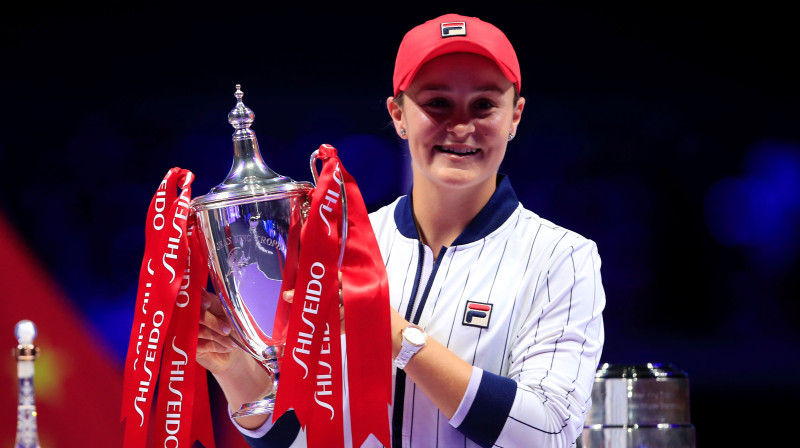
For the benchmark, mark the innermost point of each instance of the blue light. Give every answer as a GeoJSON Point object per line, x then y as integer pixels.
{"type": "Point", "coordinates": [761, 209]}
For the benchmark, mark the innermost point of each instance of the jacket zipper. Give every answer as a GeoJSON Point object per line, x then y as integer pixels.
{"type": "Point", "coordinates": [413, 315]}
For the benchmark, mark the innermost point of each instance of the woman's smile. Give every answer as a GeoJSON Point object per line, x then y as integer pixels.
{"type": "Point", "coordinates": [457, 150]}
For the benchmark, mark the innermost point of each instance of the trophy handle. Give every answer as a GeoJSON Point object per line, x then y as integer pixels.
{"type": "Point", "coordinates": [270, 356]}
{"type": "Point", "coordinates": [313, 163]}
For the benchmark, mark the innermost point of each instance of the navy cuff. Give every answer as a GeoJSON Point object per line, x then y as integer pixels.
{"type": "Point", "coordinates": [489, 411]}
{"type": "Point", "coordinates": [282, 434]}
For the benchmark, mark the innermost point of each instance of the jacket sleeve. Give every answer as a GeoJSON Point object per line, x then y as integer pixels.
{"type": "Point", "coordinates": [282, 434]}
{"type": "Point", "coordinates": [546, 394]}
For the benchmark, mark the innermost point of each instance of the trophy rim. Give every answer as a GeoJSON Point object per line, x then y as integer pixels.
{"type": "Point", "coordinates": [228, 199]}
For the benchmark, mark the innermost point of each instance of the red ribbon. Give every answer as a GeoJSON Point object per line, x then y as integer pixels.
{"type": "Point", "coordinates": [365, 288]}
{"type": "Point", "coordinates": [311, 368]}
{"type": "Point", "coordinates": [163, 340]}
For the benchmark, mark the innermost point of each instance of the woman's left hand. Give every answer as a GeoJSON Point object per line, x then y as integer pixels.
{"type": "Point", "coordinates": [289, 297]}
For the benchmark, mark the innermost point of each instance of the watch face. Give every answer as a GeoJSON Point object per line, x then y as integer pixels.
{"type": "Point", "coordinates": [415, 336]}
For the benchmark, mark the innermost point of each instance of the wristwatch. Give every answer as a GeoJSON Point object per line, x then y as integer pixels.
{"type": "Point", "coordinates": [414, 338]}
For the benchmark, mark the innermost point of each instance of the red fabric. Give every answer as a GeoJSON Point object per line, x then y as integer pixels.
{"type": "Point", "coordinates": [283, 311]}
{"type": "Point", "coordinates": [305, 376]}
{"type": "Point", "coordinates": [76, 380]}
{"type": "Point", "coordinates": [170, 281]}
{"type": "Point", "coordinates": [365, 288]}
{"type": "Point", "coordinates": [311, 373]}
{"type": "Point", "coordinates": [180, 419]}
{"type": "Point", "coordinates": [433, 38]}
{"type": "Point", "coordinates": [164, 335]}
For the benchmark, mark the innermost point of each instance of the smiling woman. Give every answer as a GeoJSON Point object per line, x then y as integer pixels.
{"type": "Point", "coordinates": [458, 114]}
{"type": "Point", "coordinates": [643, 128]}
{"type": "Point", "coordinates": [496, 313]}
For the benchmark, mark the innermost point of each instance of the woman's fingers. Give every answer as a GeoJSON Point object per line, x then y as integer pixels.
{"type": "Point", "coordinates": [341, 297]}
{"type": "Point", "coordinates": [341, 305]}
{"type": "Point", "coordinates": [210, 328]}
{"type": "Point", "coordinates": [212, 303]}
{"type": "Point", "coordinates": [221, 344]}
{"type": "Point", "coordinates": [215, 322]}
{"type": "Point", "coordinates": [289, 297]}
{"type": "Point", "coordinates": [341, 320]}
{"type": "Point", "coordinates": [205, 345]}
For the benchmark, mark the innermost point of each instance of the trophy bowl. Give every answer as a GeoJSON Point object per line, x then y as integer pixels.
{"type": "Point", "coordinates": [245, 224]}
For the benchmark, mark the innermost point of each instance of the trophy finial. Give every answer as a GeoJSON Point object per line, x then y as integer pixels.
{"type": "Point", "coordinates": [249, 174]}
{"type": "Point", "coordinates": [241, 116]}
{"type": "Point", "coordinates": [25, 332]}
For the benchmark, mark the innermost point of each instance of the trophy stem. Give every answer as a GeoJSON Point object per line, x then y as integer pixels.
{"type": "Point", "coordinates": [265, 405]}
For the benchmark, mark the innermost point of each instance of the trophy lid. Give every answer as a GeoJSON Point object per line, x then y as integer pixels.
{"type": "Point", "coordinates": [249, 176]}
{"type": "Point", "coordinates": [642, 370]}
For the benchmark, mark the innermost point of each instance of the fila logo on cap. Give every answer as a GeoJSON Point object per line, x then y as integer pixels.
{"type": "Point", "coordinates": [450, 29]}
{"type": "Point", "coordinates": [477, 314]}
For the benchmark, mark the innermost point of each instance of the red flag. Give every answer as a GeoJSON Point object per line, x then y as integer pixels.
{"type": "Point", "coordinates": [76, 382]}
{"type": "Point", "coordinates": [78, 385]}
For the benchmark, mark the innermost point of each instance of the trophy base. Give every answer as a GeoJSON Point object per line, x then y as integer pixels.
{"type": "Point", "coordinates": [259, 407]}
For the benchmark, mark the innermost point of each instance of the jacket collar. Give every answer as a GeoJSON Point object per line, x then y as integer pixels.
{"type": "Point", "coordinates": [499, 208]}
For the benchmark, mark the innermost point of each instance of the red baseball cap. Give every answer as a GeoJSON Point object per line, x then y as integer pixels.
{"type": "Point", "coordinates": [453, 33]}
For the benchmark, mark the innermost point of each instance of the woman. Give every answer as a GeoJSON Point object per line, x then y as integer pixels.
{"type": "Point", "coordinates": [504, 306]}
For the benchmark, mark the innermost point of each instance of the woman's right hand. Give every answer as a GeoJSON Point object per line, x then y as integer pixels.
{"type": "Point", "coordinates": [241, 378]}
{"type": "Point", "coordinates": [216, 349]}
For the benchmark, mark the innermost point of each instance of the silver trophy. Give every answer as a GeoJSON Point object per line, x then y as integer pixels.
{"type": "Point", "coordinates": [25, 353]}
{"type": "Point", "coordinates": [245, 222]}
{"type": "Point", "coordinates": [639, 405]}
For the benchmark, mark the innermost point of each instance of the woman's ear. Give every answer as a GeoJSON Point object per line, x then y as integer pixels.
{"type": "Point", "coordinates": [517, 115]}
{"type": "Point", "coordinates": [396, 112]}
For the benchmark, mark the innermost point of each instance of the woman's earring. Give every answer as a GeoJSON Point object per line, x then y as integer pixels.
{"type": "Point", "coordinates": [510, 136]}
{"type": "Point", "coordinates": [402, 132]}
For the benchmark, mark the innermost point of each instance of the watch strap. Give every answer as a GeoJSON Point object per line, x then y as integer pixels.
{"type": "Point", "coordinates": [403, 357]}
{"type": "Point", "coordinates": [407, 350]}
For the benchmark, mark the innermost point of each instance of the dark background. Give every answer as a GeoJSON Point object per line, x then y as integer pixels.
{"type": "Point", "coordinates": [667, 133]}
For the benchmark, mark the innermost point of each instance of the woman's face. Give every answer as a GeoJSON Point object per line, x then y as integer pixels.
{"type": "Point", "coordinates": [458, 113]}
